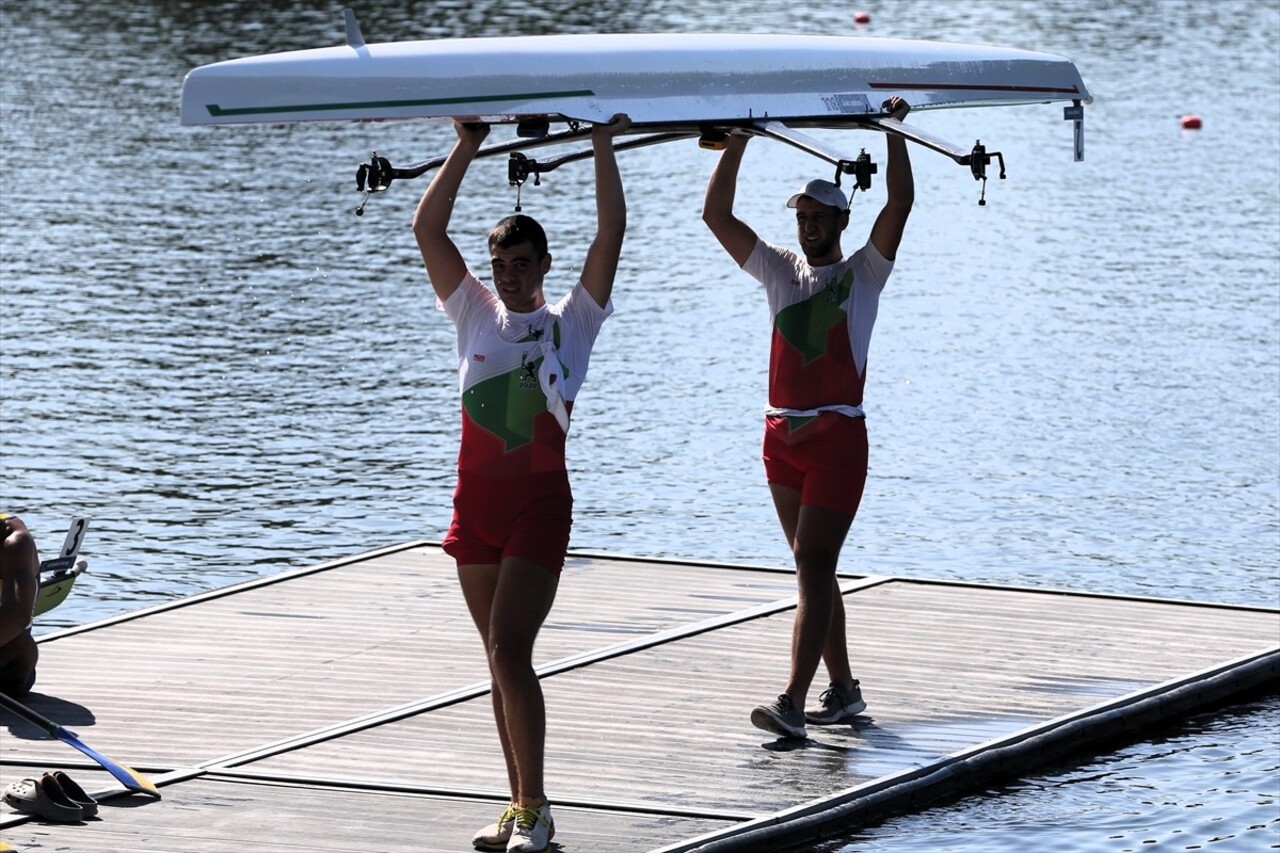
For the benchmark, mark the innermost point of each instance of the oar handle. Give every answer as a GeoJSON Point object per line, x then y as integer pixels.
{"type": "Point", "coordinates": [29, 715]}
{"type": "Point", "coordinates": [127, 776]}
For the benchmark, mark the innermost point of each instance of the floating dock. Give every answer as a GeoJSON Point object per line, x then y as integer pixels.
{"type": "Point", "coordinates": [345, 706]}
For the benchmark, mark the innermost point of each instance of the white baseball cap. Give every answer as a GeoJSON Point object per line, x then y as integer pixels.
{"type": "Point", "coordinates": [821, 191]}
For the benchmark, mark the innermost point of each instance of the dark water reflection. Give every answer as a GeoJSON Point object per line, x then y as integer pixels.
{"type": "Point", "coordinates": [1075, 386]}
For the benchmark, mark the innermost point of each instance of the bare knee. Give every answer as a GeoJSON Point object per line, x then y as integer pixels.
{"type": "Point", "coordinates": [509, 659]}
{"type": "Point", "coordinates": [815, 563]}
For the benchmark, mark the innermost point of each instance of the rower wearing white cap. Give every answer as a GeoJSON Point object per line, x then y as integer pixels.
{"type": "Point", "coordinates": [823, 307]}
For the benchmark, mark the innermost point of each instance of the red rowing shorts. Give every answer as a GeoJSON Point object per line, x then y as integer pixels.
{"type": "Point", "coordinates": [527, 517]}
{"type": "Point", "coordinates": [823, 457]}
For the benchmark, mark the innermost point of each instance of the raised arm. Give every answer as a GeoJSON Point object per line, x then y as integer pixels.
{"type": "Point", "coordinates": [445, 266]}
{"type": "Point", "coordinates": [601, 265]}
{"type": "Point", "coordinates": [886, 234]}
{"type": "Point", "coordinates": [738, 239]}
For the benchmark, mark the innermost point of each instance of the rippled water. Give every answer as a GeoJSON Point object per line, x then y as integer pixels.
{"type": "Point", "coordinates": [1210, 784]}
{"type": "Point", "coordinates": [1077, 385]}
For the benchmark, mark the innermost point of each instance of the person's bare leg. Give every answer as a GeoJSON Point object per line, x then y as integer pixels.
{"type": "Point", "coordinates": [786, 501]}
{"type": "Point", "coordinates": [479, 583]}
{"type": "Point", "coordinates": [521, 602]}
{"type": "Point", "coordinates": [835, 654]}
{"type": "Point", "coordinates": [816, 535]}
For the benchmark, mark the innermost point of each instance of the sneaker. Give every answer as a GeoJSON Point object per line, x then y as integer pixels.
{"type": "Point", "coordinates": [533, 829]}
{"type": "Point", "coordinates": [837, 705]}
{"type": "Point", "coordinates": [780, 717]}
{"type": "Point", "coordinates": [495, 835]}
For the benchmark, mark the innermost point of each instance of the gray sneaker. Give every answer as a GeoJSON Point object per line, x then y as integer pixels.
{"type": "Point", "coordinates": [838, 705]}
{"type": "Point", "coordinates": [780, 717]}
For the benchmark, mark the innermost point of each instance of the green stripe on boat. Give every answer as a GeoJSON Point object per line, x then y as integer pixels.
{"type": "Point", "coordinates": [215, 110]}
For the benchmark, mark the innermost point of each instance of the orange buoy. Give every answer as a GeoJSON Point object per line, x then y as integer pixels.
{"type": "Point", "coordinates": [862, 17]}
{"type": "Point", "coordinates": [1191, 122]}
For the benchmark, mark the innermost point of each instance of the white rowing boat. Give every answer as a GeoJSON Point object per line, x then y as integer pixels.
{"type": "Point", "coordinates": [656, 79]}
{"type": "Point", "coordinates": [671, 85]}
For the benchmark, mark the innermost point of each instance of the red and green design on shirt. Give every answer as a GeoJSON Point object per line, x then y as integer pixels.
{"type": "Point", "coordinates": [822, 322]}
{"type": "Point", "coordinates": [489, 454]}
{"type": "Point", "coordinates": [811, 361]}
{"type": "Point", "coordinates": [806, 326]}
{"type": "Point", "coordinates": [507, 404]}
{"type": "Point", "coordinates": [507, 429]}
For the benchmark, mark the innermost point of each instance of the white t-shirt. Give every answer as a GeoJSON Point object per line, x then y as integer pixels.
{"type": "Point", "coordinates": [514, 366]}
{"type": "Point", "coordinates": [822, 321]}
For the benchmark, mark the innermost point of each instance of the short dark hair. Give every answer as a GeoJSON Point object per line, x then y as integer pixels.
{"type": "Point", "coordinates": [518, 229]}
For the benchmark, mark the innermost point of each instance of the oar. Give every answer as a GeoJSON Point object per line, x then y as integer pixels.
{"type": "Point", "coordinates": [130, 778]}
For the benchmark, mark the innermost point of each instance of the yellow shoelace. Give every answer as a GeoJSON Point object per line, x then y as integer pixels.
{"type": "Point", "coordinates": [527, 816]}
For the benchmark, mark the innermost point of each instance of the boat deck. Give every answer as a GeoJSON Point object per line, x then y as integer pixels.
{"type": "Point", "coordinates": [345, 706]}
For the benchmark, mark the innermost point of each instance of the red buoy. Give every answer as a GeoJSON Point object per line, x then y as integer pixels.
{"type": "Point", "coordinates": [862, 17]}
{"type": "Point", "coordinates": [1191, 122]}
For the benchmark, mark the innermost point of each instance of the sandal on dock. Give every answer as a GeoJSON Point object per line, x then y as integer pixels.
{"type": "Point", "coordinates": [35, 797]}
{"type": "Point", "coordinates": [88, 805]}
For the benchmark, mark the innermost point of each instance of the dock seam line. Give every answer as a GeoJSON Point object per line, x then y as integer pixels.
{"type": "Point", "coordinates": [577, 661]}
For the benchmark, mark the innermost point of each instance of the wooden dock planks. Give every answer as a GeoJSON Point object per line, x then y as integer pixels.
{"type": "Point", "coordinates": [363, 680]}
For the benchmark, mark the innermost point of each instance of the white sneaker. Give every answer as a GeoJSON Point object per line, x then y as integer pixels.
{"type": "Point", "coordinates": [533, 829]}
{"type": "Point", "coordinates": [496, 835]}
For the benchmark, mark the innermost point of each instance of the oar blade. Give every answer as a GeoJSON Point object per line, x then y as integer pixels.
{"type": "Point", "coordinates": [127, 776]}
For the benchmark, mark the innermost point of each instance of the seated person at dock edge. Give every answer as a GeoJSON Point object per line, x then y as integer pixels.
{"type": "Point", "coordinates": [19, 585]}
